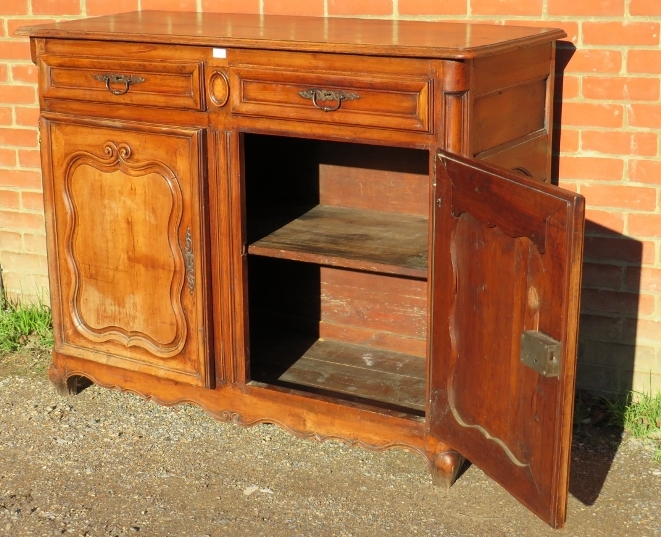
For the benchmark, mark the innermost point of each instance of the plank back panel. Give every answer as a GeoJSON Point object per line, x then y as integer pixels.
{"type": "Point", "coordinates": [352, 306]}
{"type": "Point", "coordinates": [373, 177]}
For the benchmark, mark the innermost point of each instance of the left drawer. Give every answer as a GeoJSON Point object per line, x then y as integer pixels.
{"type": "Point", "coordinates": [163, 84]}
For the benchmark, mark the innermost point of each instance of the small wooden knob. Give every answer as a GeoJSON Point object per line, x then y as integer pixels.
{"type": "Point", "coordinates": [219, 88]}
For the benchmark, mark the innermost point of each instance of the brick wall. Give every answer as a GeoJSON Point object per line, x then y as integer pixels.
{"type": "Point", "coordinates": [608, 150]}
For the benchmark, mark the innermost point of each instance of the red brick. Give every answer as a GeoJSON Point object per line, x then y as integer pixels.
{"type": "Point", "coordinates": [635, 330]}
{"type": "Point", "coordinates": [364, 7]}
{"type": "Point", "coordinates": [15, 24]}
{"type": "Point", "coordinates": [25, 286]}
{"type": "Point", "coordinates": [9, 199]}
{"type": "Point", "coordinates": [602, 275]}
{"type": "Point", "coordinates": [14, 94]}
{"type": "Point", "coordinates": [2, 28]}
{"type": "Point", "coordinates": [15, 50]}
{"type": "Point", "coordinates": [594, 8]}
{"type": "Point", "coordinates": [620, 143]}
{"type": "Point", "coordinates": [56, 7]}
{"type": "Point", "coordinates": [567, 185]}
{"type": "Point", "coordinates": [645, 225]}
{"type": "Point", "coordinates": [10, 241]}
{"type": "Point", "coordinates": [14, 7]}
{"type": "Point", "coordinates": [294, 7]}
{"type": "Point", "coordinates": [230, 6]}
{"type": "Point", "coordinates": [433, 7]}
{"type": "Point", "coordinates": [25, 73]}
{"type": "Point", "coordinates": [16, 220]}
{"type": "Point", "coordinates": [600, 327]}
{"type": "Point", "coordinates": [103, 7]}
{"type": "Point", "coordinates": [7, 157]}
{"type": "Point", "coordinates": [6, 116]}
{"type": "Point", "coordinates": [567, 142]}
{"type": "Point", "coordinates": [647, 279]}
{"type": "Point", "coordinates": [620, 33]}
{"type": "Point", "coordinates": [27, 117]}
{"type": "Point", "coordinates": [644, 115]}
{"type": "Point", "coordinates": [29, 263]}
{"type": "Point", "coordinates": [644, 61]}
{"type": "Point", "coordinates": [621, 88]}
{"type": "Point", "coordinates": [645, 7]}
{"type": "Point", "coordinates": [592, 115]}
{"type": "Point", "coordinates": [588, 61]}
{"type": "Point", "coordinates": [566, 87]}
{"type": "Point", "coordinates": [35, 243]}
{"type": "Point", "coordinates": [619, 249]}
{"type": "Point", "coordinates": [29, 158]}
{"type": "Point", "coordinates": [603, 221]}
{"type": "Point", "coordinates": [32, 201]}
{"type": "Point", "coordinates": [18, 137]}
{"type": "Point", "coordinates": [597, 169]}
{"type": "Point", "coordinates": [625, 197]}
{"type": "Point", "coordinates": [571, 28]}
{"type": "Point", "coordinates": [645, 171]}
{"type": "Point", "coordinates": [170, 5]}
{"type": "Point", "coordinates": [506, 7]}
{"type": "Point", "coordinates": [4, 73]}
{"type": "Point", "coordinates": [599, 300]}
{"type": "Point", "coordinates": [20, 178]}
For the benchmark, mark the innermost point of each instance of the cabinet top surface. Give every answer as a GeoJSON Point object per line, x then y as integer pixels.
{"type": "Point", "coordinates": [453, 40]}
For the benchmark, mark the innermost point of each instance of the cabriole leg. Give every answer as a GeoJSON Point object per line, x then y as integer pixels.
{"type": "Point", "coordinates": [445, 467]}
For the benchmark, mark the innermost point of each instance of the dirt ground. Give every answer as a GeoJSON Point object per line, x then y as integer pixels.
{"type": "Point", "coordinates": [104, 463]}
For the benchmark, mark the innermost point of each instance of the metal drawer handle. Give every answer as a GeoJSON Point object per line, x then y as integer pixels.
{"type": "Point", "coordinates": [119, 79]}
{"type": "Point", "coordinates": [327, 95]}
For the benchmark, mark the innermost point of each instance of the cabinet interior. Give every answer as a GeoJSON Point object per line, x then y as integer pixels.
{"type": "Point", "coordinates": [337, 268]}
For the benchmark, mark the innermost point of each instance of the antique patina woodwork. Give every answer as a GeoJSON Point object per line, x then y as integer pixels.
{"type": "Point", "coordinates": [344, 227]}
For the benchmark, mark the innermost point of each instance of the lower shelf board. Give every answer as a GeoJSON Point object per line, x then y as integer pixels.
{"type": "Point", "coordinates": [343, 370]}
{"type": "Point", "coordinates": [378, 241]}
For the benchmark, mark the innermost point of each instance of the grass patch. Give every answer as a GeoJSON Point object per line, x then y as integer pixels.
{"type": "Point", "coordinates": [25, 326]}
{"type": "Point", "coordinates": [640, 415]}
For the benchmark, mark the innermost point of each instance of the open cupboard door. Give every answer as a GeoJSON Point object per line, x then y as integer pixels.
{"type": "Point", "coordinates": [507, 255]}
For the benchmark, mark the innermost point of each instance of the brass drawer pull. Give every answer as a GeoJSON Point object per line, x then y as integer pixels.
{"type": "Point", "coordinates": [119, 79]}
{"type": "Point", "coordinates": [327, 95]}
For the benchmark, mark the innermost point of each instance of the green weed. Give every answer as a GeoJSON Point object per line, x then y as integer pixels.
{"type": "Point", "coordinates": [24, 325]}
{"type": "Point", "coordinates": [640, 416]}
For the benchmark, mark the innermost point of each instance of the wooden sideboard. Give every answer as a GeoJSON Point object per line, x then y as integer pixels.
{"type": "Point", "coordinates": [341, 226]}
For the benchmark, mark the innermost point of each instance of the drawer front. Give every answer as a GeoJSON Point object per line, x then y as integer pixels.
{"type": "Point", "coordinates": [383, 101]}
{"type": "Point", "coordinates": [145, 83]}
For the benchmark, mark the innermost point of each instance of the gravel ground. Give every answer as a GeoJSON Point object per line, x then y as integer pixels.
{"type": "Point", "coordinates": [104, 463]}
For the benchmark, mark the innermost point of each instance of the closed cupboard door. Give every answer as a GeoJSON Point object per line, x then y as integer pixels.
{"type": "Point", "coordinates": [506, 269]}
{"type": "Point", "coordinates": [125, 232]}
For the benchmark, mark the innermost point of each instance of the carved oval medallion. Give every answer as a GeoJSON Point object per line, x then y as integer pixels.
{"type": "Point", "coordinates": [219, 88]}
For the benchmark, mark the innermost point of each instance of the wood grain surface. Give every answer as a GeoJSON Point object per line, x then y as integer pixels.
{"type": "Point", "coordinates": [311, 34]}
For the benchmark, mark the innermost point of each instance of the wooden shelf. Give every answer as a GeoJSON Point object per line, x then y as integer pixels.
{"type": "Point", "coordinates": [344, 370]}
{"type": "Point", "coordinates": [377, 241]}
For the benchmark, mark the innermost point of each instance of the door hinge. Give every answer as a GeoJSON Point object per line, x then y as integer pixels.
{"type": "Point", "coordinates": [541, 353]}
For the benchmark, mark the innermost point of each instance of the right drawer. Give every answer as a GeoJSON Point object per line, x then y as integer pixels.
{"type": "Point", "coordinates": [163, 84]}
{"type": "Point", "coordinates": [334, 90]}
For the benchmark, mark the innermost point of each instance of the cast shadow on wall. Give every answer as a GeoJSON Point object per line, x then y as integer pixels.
{"type": "Point", "coordinates": [607, 330]}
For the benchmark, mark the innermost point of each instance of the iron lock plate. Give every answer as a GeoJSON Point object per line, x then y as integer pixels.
{"type": "Point", "coordinates": [541, 353]}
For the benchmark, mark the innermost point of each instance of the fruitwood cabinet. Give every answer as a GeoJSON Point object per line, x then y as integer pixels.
{"type": "Point", "coordinates": [344, 227]}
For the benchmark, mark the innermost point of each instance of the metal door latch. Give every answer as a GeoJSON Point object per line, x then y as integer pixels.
{"type": "Point", "coordinates": [541, 353]}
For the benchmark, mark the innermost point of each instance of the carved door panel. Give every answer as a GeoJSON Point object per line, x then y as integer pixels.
{"type": "Point", "coordinates": [506, 266]}
{"type": "Point", "coordinates": [128, 281]}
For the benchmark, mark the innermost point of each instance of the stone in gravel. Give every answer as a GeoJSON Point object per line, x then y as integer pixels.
{"type": "Point", "coordinates": [250, 490]}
